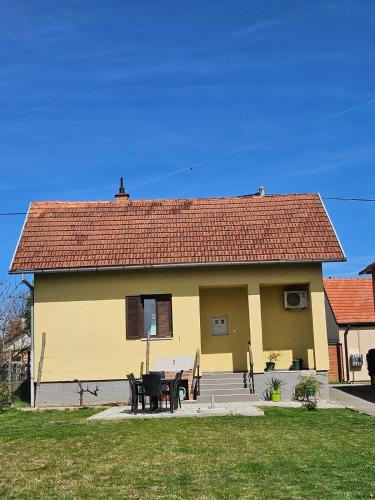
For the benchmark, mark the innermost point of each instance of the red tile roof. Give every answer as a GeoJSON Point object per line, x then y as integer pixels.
{"type": "Point", "coordinates": [370, 269]}
{"type": "Point", "coordinates": [62, 235]}
{"type": "Point", "coordinates": [351, 299]}
{"type": "Point", "coordinates": [15, 328]}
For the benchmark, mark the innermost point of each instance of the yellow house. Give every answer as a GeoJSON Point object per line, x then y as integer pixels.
{"type": "Point", "coordinates": [216, 284]}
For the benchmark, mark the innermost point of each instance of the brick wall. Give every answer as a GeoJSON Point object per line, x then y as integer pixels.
{"type": "Point", "coordinates": [335, 373]}
{"type": "Point", "coordinates": [187, 375]}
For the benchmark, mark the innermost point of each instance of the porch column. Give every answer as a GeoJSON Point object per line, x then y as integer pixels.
{"type": "Point", "coordinates": [255, 324]}
{"type": "Point", "coordinates": [318, 313]}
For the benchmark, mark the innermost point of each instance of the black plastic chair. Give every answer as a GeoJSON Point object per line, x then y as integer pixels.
{"type": "Point", "coordinates": [153, 389]}
{"type": "Point", "coordinates": [176, 387]}
{"type": "Point", "coordinates": [160, 374]}
{"type": "Point", "coordinates": [136, 393]}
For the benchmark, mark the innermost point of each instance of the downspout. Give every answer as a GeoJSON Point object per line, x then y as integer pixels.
{"type": "Point", "coordinates": [347, 329]}
{"type": "Point", "coordinates": [32, 387]}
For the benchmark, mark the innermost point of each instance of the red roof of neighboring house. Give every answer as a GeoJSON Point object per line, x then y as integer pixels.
{"type": "Point", "coordinates": [351, 299]}
{"type": "Point", "coordinates": [15, 328]}
{"type": "Point", "coordinates": [370, 269]}
{"type": "Point", "coordinates": [64, 235]}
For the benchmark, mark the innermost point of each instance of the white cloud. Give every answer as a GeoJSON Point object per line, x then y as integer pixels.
{"type": "Point", "coordinates": [257, 27]}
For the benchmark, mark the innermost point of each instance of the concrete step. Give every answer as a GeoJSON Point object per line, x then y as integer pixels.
{"type": "Point", "coordinates": [224, 385]}
{"type": "Point", "coordinates": [221, 391]}
{"type": "Point", "coordinates": [223, 379]}
{"type": "Point", "coordinates": [229, 398]}
{"type": "Point", "coordinates": [210, 375]}
{"type": "Point", "coordinates": [227, 379]}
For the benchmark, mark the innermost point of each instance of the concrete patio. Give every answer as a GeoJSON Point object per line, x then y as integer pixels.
{"type": "Point", "coordinates": [246, 409]}
{"type": "Point", "coordinates": [187, 410]}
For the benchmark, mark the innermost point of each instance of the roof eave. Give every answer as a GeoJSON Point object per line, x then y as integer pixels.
{"type": "Point", "coordinates": [171, 266]}
{"type": "Point", "coordinates": [369, 269]}
{"type": "Point", "coordinates": [19, 239]}
{"type": "Point", "coordinates": [343, 324]}
{"type": "Point", "coordinates": [333, 228]}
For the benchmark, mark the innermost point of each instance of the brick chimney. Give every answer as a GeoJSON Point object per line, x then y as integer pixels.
{"type": "Point", "coordinates": [121, 195]}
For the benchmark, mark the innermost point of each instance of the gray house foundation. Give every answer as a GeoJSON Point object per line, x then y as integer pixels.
{"type": "Point", "coordinates": [117, 391]}
{"type": "Point", "coordinates": [66, 393]}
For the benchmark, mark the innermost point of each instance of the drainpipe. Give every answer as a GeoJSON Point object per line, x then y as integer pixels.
{"type": "Point", "coordinates": [347, 329]}
{"type": "Point", "coordinates": [32, 387]}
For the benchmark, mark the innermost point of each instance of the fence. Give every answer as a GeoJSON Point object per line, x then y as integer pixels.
{"type": "Point", "coordinates": [16, 375]}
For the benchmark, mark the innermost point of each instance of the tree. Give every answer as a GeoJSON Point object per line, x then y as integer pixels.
{"type": "Point", "coordinates": [15, 305]}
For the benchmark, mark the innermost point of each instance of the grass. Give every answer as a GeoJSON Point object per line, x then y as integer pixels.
{"type": "Point", "coordinates": [289, 453]}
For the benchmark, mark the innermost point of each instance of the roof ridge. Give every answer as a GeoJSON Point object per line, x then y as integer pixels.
{"type": "Point", "coordinates": [352, 278]}
{"type": "Point", "coordinates": [150, 200]}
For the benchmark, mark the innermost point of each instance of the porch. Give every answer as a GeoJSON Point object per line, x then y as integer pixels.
{"type": "Point", "coordinates": [243, 323]}
{"type": "Point", "coordinates": [231, 317]}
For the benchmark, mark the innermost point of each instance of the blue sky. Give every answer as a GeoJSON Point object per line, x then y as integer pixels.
{"type": "Point", "coordinates": [91, 90]}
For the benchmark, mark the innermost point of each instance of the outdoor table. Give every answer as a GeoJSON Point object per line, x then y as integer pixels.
{"type": "Point", "coordinates": [163, 381]}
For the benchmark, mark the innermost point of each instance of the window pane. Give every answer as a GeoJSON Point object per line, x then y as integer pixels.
{"type": "Point", "coordinates": [149, 307]}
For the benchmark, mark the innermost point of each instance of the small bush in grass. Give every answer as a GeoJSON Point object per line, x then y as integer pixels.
{"type": "Point", "coordinates": [5, 396]}
{"type": "Point", "coordinates": [310, 405]}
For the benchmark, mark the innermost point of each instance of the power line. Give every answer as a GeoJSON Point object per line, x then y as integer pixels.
{"type": "Point", "coordinates": [12, 213]}
{"type": "Point", "coordinates": [335, 115]}
{"type": "Point", "coordinates": [189, 167]}
{"type": "Point", "coordinates": [245, 146]}
{"type": "Point", "coordinates": [174, 172]}
{"type": "Point", "coordinates": [341, 198]}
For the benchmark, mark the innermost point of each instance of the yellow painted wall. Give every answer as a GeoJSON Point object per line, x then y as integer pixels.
{"type": "Point", "coordinates": [227, 351]}
{"type": "Point", "coordinates": [83, 315]}
{"type": "Point", "coordinates": [289, 332]}
{"type": "Point", "coordinates": [360, 341]}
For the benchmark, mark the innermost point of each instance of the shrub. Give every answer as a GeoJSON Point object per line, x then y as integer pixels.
{"type": "Point", "coordinates": [310, 405]}
{"type": "Point", "coordinates": [5, 396]}
{"type": "Point", "coordinates": [307, 386]}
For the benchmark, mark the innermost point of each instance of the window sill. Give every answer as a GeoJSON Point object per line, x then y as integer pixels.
{"type": "Point", "coordinates": [153, 339]}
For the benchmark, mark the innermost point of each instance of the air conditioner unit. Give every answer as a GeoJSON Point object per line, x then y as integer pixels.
{"type": "Point", "coordinates": [296, 299]}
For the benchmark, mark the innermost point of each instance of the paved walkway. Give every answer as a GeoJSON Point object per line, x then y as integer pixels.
{"type": "Point", "coordinates": [358, 397]}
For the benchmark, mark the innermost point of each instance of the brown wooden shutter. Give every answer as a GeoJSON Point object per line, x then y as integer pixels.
{"type": "Point", "coordinates": [133, 318]}
{"type": "Point", "coordinates": [164, 316]}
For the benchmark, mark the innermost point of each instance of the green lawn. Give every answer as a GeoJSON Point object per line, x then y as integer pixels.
{"type": "Point", "coordinates": [289, 453]}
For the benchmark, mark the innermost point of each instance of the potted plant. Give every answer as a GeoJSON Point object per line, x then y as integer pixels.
{"type": "Point", "coordinates": [295, 364]}
{"type": "Point", "coordinates": [308, 386]}
{"type": "Point", "coordinates": [274, 389]}
{"type": "Point", "coordinates": [272, 358]}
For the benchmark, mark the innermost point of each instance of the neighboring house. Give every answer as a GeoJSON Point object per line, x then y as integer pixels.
{"type": "Point", "coordinates": [17, 342]}
{"type": "Point", "coordinates": [17, 336]}
{"type": "Point", "coordinates": [201, 276]}
{"type": "Point", "coordinates": [350, 326]}
{"type": "Point", "coordinates": [370, 269]}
